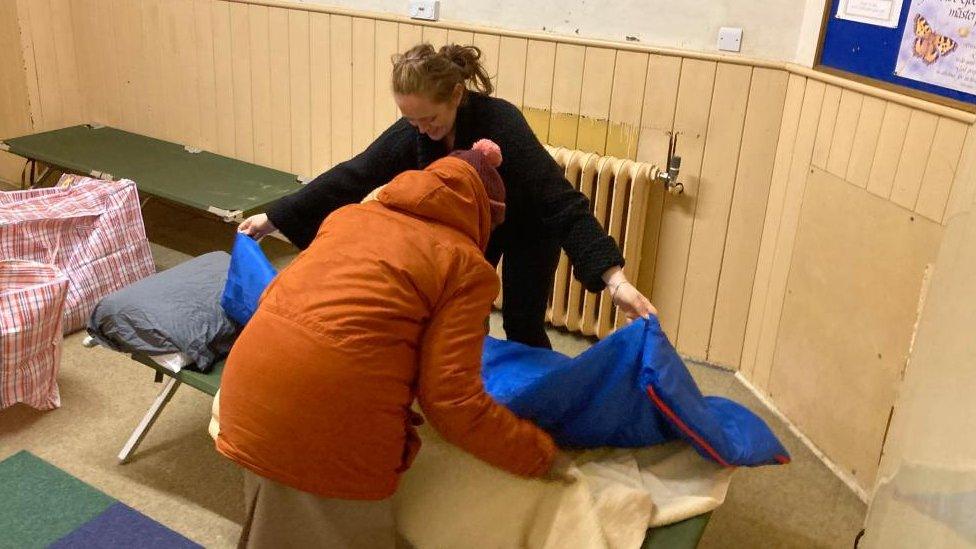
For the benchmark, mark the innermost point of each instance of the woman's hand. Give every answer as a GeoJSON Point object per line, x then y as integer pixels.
{"type": "Point", "coordinates": [257, 226]}
{"type": "Point", "coordinates": [627, 297]}
{"type": "Point", "coordinates": [631, 302]}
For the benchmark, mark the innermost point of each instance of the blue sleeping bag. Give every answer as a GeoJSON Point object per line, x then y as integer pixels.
{"type": "Point", "coordinates": [629, 390]}
{"type": "Point", "coordinates": [249, 274]}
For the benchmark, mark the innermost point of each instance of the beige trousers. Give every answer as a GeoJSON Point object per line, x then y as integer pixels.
{"type": "Point", "coordinates": [279, 516]}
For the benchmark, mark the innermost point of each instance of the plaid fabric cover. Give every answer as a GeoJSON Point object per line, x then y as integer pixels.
{"type": "Point", "coordinates": [32, 297]}
{"type": "Point", "coordinates": [90, 229]}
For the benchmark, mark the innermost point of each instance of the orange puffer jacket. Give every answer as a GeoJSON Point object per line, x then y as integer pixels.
{"type": "Point", "coordinates": [387, 304]}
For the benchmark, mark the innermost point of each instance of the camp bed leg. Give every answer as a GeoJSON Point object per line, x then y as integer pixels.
{"type": "Point", "coordinates": [147, 421]}
{"type": "Point", "coordinates": [34, 180]}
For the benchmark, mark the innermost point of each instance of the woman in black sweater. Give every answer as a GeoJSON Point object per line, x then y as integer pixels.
{"type": "Point", "coordinates": [543, 211]}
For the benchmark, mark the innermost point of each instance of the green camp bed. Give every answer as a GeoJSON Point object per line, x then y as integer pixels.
{"type": "Point", "coordinates": [684, 534]}
{"type": "Point", "coordinates": [228, 188]}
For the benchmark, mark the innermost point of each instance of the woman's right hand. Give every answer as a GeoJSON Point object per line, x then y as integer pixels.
{"type": "Point", "coordinates": [257, 226]}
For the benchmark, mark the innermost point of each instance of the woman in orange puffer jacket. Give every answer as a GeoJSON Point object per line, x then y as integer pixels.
{"type": "Point", "coordinates": [316, 395]}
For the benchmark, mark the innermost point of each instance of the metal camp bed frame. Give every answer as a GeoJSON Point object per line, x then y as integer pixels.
{"type": "Point", "coordinates": [228, 188]}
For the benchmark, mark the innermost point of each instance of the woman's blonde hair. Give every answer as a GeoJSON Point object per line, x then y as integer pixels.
{"type": "Point", "coordinates": [435, 74]}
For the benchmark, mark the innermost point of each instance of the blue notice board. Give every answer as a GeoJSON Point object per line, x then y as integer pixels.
{"type": "Point", "coordinates": [871, 51]}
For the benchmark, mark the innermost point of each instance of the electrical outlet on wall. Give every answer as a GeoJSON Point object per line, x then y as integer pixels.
{"type": "Point", "coordinates": [429, 10]}
{"type": "Point", "coordinates": [730, 39]}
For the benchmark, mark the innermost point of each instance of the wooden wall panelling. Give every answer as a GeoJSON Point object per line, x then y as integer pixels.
{"type": "Point", "coordinates": [789, 128]}
{"type": "Point", "coordinates": [848, 318]}
{"type": "Point", "coordinates": [786, 235]}
{"type": "Point", "coordinates": [865, 141]}
{"type": "Point", "coordinates": [598, 67]}
{"type": "Point", "coordinates": [146, 61]}
{"type": "Point", "coordinates": [964, 184]}
{"type": "Point", "coordinates": [240, 35]}
{"type": "Point", "coordinates": [459, 37]}
{"type": "Point", "coordinates": [21, 28]}
{"type": "Point", "coordinates": [385, 111]}
{"type": "Point", "coordinates": [144, 58]}
{"type": "Point", "coordinates": [224, 81]}
{"type": "Point", "coordinates": [626, 101]}
{"type": "Point", "coordinates": [61, 35]}
{"type": "Point", "coordinates": [84, 15]}
{"type": "Point", "coordinates": [187, 90]}
{"type": "Point", "coordinates": [320, 60]}
{"type": "Point", "coordinates": [894, 129]}
{"type": "Point", "coordinates": [185, 66]}
{"type": "Point", "coordinates": [300, 101]}
{"type": "Point", "coordinates": [913, 159]}
{"type": "Point", "coordinates": [825, 128]}
{"type": "Point", "coordinates": [168, 77]}
{"type": "Point", "coordinates": [848, 115]}
{"type": "Point", "coordinates": [657, 120]}
{"type": "Point", "coordinates": [15, 105]}
{"type": "Point", "coordinates": [940, 169]}
{"type": "Point", "coordinates": [261, 83]}
{"type": "Point", "coordinates": [511, 69]}
{"type": "Point", "coordinates": [691, 122]}
{"type": "Point", "coordinates": [204, 31]}
{"type": "Point", "coordinates": [435, 36]}
{"type": "Point", "coordinates": [713, 205]}
{"type": "Point", "coordinates": [280, 70]}
{"type": "Point", "coordinates": [409, 36]}
{"type": "Point", "coordinates": [488, 44]}
{"type": "Point", "coordinates": [537, 98]}
{"type": "Point", "coordinates": [567, 85]}
{"type": "Point", "coordinates": [342, 90]}
{"type": "Point", "coordinates": [49, 113]}
{"type": "Point", "coordinates": [363, 83]}
{"type": "Point", "coordinates": [764, 118]}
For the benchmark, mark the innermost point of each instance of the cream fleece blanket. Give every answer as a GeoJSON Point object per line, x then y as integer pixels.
{"type": "Point", "coordinates": [448, 498]}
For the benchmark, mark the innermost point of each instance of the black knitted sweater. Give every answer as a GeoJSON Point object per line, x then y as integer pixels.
{"type": "Point", "coordinates": [539, 202]}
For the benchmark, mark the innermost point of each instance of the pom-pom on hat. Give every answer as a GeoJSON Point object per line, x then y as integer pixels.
{"type": "Point", "coordinates": [485, 155]}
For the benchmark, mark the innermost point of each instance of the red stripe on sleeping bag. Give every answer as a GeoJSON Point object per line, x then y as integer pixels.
{"type": "Point", "coordinates": [687, 430]}
{"type": "Point", "coordinates": [783, 460]}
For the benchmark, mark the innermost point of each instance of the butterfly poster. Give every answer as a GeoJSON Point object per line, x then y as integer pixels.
{"type": "Point", "coordinates": [939, 44]}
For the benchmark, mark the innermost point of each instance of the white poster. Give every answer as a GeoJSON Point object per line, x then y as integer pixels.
{"type": "Point", "coordinates": [937, 46]}
{"type": "Point", "coordinates": [883, 13]}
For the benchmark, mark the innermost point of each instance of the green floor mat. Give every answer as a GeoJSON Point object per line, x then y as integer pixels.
{"type": "Point", "coordinates": [30, 488]}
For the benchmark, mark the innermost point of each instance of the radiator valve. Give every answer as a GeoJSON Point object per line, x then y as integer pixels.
{"type": "Point", "coordinates": [670, 177]}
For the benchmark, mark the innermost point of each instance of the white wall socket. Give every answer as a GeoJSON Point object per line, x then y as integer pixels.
{"type": "Point", "coordinates": [429, 10]}
{"type": "Point", "coordinates": [730, 39]}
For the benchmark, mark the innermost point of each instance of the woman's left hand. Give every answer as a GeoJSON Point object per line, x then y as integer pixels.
{"type": "Point", "coordinates": [631, 302]}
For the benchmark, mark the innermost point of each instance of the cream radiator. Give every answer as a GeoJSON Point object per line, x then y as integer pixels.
{"type": "Point", "coordinates": [618, 191]}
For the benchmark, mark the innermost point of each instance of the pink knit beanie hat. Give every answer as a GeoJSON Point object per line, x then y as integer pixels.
{"type": "Point", "coordinates": [485, 155]}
